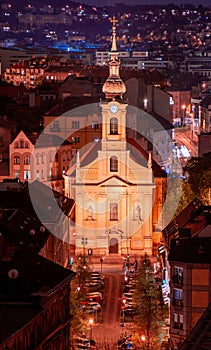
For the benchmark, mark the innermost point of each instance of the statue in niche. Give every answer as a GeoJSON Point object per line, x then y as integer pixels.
{"type": "Point", "coordinates": [90, 213]}
{"type": "Point", "coordinates": [137, 212]}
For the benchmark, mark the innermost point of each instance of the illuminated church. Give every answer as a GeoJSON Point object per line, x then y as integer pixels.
{"type": "Point", "coordinates": [113, 188]}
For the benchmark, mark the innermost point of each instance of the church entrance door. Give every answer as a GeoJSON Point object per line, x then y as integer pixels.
{"type": "Point", "coordinates": [113, 246]}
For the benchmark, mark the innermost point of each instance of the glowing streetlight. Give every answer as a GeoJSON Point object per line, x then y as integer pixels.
{"type": "Point", "coordinates": [91, 324]}
{"type": "Point", "coordinates": [143, 338]}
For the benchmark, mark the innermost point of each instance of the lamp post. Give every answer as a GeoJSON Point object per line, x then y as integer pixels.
{"type": "Point", "coordinates": [183, 113]}
{"type": "Point", "coordinates": [101, 265]}
{"type": "Point", "coordinates": [84, 242]}
{"type": "Point", "coordinates": [90, 324]}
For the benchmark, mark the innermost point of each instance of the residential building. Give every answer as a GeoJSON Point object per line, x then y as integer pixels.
{"type": "Point", "coordinates": [44, 158]}
{"type": "Point", "coordinates": [35, 308]}
{"type": "Point", "coordinates": [187, 240]}
{"type": "Point", "coordinates": [181, 105]}
{"type": "Point", "coordinates": [199, 336]}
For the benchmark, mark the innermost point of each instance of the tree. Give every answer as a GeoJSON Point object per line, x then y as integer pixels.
{"type": "Point", "coordinates": [77, 295]}
{"type": "Point", "coordinates": [151, 310]}
{"type": "Point", "coordinates": [198, 174]}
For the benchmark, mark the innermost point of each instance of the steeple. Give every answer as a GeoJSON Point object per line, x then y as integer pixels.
{"type": "Point", "coordinates": [114, 85]}
{"type": "Point", "coordinates": [113, 21]}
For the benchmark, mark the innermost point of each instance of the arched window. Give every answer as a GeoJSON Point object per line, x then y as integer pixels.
{"type": "Point", "coordinates": [113, 211]}
{"type": "Point", "coordinates": [26, 145]}
{"type": "Point", "coordinates": [16, 160]}
{"type": "Point", "coordinates": [114, 126]}
{"type": "Point", "coordinates": [26, 160]}
{"type": "Point", "coordinates": [113, 163]}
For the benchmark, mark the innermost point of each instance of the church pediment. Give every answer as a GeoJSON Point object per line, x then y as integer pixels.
{"type": "Point", "coordinates": [115, 181]}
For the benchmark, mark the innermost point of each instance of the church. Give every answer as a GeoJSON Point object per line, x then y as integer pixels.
{"type": "Point", "coordinates": [112, 184]}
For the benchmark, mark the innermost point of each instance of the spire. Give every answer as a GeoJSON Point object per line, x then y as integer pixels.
{"type": "Point", "coordinates": [114, 85]}
{"type": "Point", "coordinates": [113, 21]}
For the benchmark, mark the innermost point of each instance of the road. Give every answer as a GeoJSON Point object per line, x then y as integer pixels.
{"type": "Point", "coordinates": [184, 137]}
{"type": "Point", "coordinates": [107, 333]}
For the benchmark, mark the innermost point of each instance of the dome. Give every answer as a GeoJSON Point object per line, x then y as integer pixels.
{"type": "Point", "coordinates": [114, 87]}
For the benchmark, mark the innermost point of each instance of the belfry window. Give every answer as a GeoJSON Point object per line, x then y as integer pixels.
{"type": "Point", "coordinates": [113, 164]}
{"type": "Point", "coordinates": [114, 126]}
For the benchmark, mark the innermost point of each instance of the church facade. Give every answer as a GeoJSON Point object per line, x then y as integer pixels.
{"type": "Point", "coordinates": [113, 190]}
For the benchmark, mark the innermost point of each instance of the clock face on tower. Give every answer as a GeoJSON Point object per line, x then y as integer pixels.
{"type": "Point", "coordinates": [114, 109]}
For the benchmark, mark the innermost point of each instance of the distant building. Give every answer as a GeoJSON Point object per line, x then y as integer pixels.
{"type": "Point", "coordinates": [181, 105]}
{"type": "Point", "coordinates": [204, 143]}
{"type": "Point", "coordinates": [33, 158]}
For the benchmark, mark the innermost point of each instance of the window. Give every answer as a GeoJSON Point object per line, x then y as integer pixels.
{"type": "Point", "coordinates": [26, 160]}
{"type": "Point", "coordinates": [26, 145]}
{"type": "Point", "coordinates": [76, 139]}
{"type": "Point", "coordinates": [16, 145]}
{"type": "Point", "coordinates": [16, 160]}
{"type": "Point", "coordinates": [113, 211]}
{"type": "Point", "coordinates": [178, 275]}
{"type": "Point", "coordinates": [16, 174]}
{"type": "Point", "coordinates": [55, 126]}
{"type": "Point", "coordinates": [27, 175]}
{"type": "Point", "coordinates": [42, 173]}
{"type": "Point", "coordinates": [113, 126]}
{"type": "Point", "coordinates": [178, 321]}
{"type": "Point", "coordinates": [75, 124]}
{"type": "Point", "coordinates": [89, 213]}
{"type": "Point", "coordinates": [37, 159]}
{"type": "Point", "coordinates": [21, 144]}
{"type": "Point", "coordinates": [63, 156]}
{"type": "Point", "coordinates": [42, 159]}
{"type": "Point", "coordinates": [178, 297]}
{"type": "Point", "coordinates": [56, 157]}
{"type": "Point", "coordinates": [68, 155]}
{"type": "Point", "coordinates": [37, 175]}
{"type": "Point", "coordinates": [95, 125]}
{"type": "Point", "coordinates": [113, 164]}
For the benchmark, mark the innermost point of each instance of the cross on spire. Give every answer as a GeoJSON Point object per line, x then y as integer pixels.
{"type": "Point", "coordinates": [113, 20]}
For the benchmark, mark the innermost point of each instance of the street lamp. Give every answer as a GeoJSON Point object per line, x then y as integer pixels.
{"type": "Point", "coordinates": [90, 324]}
{"type": "Point", "coordinates": [101, 265]}
{"type": "Point", "coordinates": [183, 113]}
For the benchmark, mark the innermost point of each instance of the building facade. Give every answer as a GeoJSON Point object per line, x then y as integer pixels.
{"type": "Point", "coordinates": [113, 190]}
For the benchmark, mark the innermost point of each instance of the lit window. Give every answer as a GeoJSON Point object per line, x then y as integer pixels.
{"type": "Point", "coordinates": [113, 211]}
{"type": "Point", "coordinates": [95, 125]}
{"type": "Point", "coordinates": [27, 175]}
{"type": "Point", "coordinates": [113, 164]}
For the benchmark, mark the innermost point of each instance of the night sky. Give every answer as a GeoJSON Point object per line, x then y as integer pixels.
{"type": "Point", "coordinates": [144, 2]}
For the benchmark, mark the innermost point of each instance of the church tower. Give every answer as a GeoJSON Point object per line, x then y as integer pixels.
{"type": "Point", "coordinates": [113, 184]}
